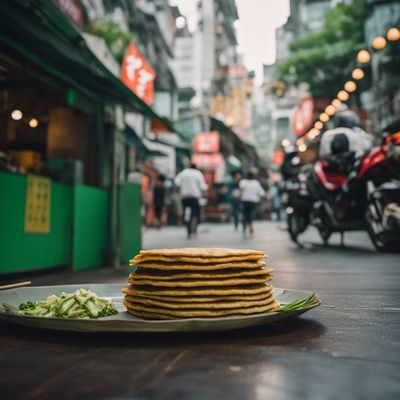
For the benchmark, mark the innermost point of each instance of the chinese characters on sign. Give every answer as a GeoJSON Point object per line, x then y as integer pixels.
{"type": "Point", "coordinates": [137, 74]}
{"type": "Point", "coordinates": [37, 208]}
{"type": "Point", "coordinates": [303, 116]}
{"type": "Point", "coordinates": [206, 142]}
{"type": "Point", "coordinates": [206, 146]}
{"type": "Point", "coordinates": [208, 161]}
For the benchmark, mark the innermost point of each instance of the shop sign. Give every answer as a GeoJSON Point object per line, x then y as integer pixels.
{"type": "Point", "coordinates": [237, 71]}
{"type": "Point", "coordinates": [208, 161]}
{"type": "Point", "coordinates": [206, 142]}
{"type": "Point", "coordinates": [138, 75]}
{"type": "Point", "coordinates": [303, 116]}
{"type": "Point", "coordinates": [73, 9]}
{"type": "Point", "coordinates": [37, 206]}
{"type": "Point", "coordinates": [277, 157]}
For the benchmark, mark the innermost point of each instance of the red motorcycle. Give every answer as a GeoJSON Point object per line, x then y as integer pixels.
{"type": "Point", "coordinates": [342, 194]}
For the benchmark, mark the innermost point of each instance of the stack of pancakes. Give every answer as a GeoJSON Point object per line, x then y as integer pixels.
{"type": "Point", "coordinates": [199, 282]}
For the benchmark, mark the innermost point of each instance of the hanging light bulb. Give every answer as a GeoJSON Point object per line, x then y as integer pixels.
{"type": "Point", "coordinates": [324, 117]}
{"type": "Point", "coordinates": [379, 43]}
{"type": "Point", "coordinates": [363, 56]}
{"type": "Point", "coordinates": [16, 114]}
{"type": "Point", "coordinates": [318, 125]}
{"type": "Point", "coordinates": [313, 133]}
{"type": "Point", "coordinates": [336, 103]}
{"type": "Point", "coordinates": [330, 110]}
{"type": "Point", "coordinates": [33, 122]}
{"type": "Point", "coordinates": [302, 148]}
{"type": "Point", "coordinates": [350, 86]}
{"type": "Point", "coordinates": [393, 34]}
{"type": "Point", "coordinates": [343, 95]}
{"type": "Point", "coordinates": [357, 74]}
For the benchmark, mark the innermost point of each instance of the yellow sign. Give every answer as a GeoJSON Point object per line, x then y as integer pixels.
{"type": "Point", "coordinates": [37, 208]}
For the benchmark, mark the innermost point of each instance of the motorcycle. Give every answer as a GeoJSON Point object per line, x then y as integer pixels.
{"type": "Point", "coordinates": [346, 194]}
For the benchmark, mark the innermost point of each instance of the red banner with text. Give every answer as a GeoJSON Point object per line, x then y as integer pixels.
{"type": "Point", "coordinates": [138, 75]}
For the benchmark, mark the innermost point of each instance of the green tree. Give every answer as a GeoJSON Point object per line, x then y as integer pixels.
{"type": "Point", "coordinates": [325, 59]}
{"type": "Point", "coordinates": [116, 38]}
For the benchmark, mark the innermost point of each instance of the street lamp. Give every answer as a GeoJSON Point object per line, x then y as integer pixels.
{"type": "Point", "coordinates": [324, 117]}
{"type": "Point", "coordinates": [393, 34]}
{"type": "Point", "coordinates": [350, 86]}
{"type": "Point", "coordinates": [379, 43]}
{"type": "Point", "coordinates": [318, 125]}
{"type": "Point", "coordinates": [357, 74]}
{"type": "Point", "coordinates": [336, 103]}
{"type": "Point", "coordinates": [343, 95]}
{"type": "Point", "coordinates": [363, 56]}
{"type": "Point", "coordinates": [330, 110]}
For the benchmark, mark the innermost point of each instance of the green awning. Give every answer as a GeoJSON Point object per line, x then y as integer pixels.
{"type": "Point", "coordinates": [39, 31]}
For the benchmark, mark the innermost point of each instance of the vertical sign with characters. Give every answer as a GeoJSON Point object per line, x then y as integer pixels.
{"type": "Point", "coordinates": [37, 208]}
{"type": "Point", "coordinates": [138, 75]}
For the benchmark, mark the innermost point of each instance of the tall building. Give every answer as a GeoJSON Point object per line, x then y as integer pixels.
{"type": "Point", "coordinates": [183, 64]}
{"type": "Point", "coordinates": [215, 49]}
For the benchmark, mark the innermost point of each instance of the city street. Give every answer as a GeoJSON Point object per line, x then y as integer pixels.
{"type": "Point", "coordinates": [348, 348]}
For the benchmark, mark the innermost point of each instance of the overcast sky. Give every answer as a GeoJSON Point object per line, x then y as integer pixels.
{"type": "Point", "coordinates": [258, 20]}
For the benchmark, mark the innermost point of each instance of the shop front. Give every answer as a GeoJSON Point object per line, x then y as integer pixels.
{"type": "Point", "coordinates": [65, 197]}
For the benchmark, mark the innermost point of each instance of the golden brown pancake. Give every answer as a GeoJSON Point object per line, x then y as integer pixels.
{"type": "Point", "coordinates": [182, 266]}
{"type": "Point", "coordinates": [222, 304]}
{"type": "Point", "coordinates": [206, 299]}
{"type": "Point", "coordinates": [200, 283]}
{"type": "Point", "coordinates": [141, 311]}
{"type": "Point", "coordinates": [206, 252]}
{"type": "Point", "coordinates": [198, 291]}
{"type": "Point", "coordinates": [138, 260]}
{"type": "Point", "coordinates": [145, 273]}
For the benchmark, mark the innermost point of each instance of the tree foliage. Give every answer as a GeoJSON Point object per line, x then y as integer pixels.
{"type": "Point", "coordinates": [116, 38]}
{"type": "Point", "coordinates": [325, 59]}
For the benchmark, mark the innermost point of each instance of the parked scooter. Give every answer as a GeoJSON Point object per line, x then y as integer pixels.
{"type": "Point", "coordinates": [348, 192]}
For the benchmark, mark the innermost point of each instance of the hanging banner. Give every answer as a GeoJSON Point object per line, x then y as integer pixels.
{"type": "Point", "coordinates": [303, 116]}
{"type": "Point", "coordinates": [206, 142]}
{"type": "Point", "coordinates": [208, 161]}
{"type": "Point", "coordinates": [138, 75]}
{"type": "Point", "coordinates": [37, 206]}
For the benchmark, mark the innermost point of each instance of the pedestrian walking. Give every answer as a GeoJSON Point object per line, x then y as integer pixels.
{"type": "Point", "coordinates": [251, 193]}
{"type": "Point", "coordinates": [234, 195]}
{"type": "Point", "coordinates": [159, 194]}
{"type": "Point", "coordinates": [191, 185]}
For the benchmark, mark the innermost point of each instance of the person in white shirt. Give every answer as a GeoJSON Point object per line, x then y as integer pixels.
{"type": "Point", "coordinates": [191, 185]}
{"type": "Point", "coordinates": [251, 193]}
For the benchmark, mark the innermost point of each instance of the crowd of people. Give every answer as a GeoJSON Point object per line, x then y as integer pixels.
{"type": "Point", "coordinates": [180, 201]}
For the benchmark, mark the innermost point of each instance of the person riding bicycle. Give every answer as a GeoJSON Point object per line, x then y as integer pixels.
{"type": "Point", "coordinates": [191, 185]}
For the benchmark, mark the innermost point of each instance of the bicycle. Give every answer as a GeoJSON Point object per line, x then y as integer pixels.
{"type": "Point", "coordinates": [191, 220]}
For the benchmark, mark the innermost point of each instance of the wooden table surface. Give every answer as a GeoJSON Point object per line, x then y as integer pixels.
{"type": "Point", "coordinates": [349, 348]}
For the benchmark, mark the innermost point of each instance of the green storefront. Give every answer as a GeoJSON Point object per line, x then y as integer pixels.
{"type": "Point", "coordinates": [93, 221]}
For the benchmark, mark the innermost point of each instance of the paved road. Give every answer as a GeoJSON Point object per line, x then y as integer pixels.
{"type": "Point", "coordinates": [349, 348]}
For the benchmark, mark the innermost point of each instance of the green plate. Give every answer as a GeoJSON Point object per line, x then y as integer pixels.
{"type": "Point", "coordinates": [124, 322]}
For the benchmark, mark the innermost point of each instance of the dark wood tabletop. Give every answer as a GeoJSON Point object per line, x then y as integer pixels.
{"type": "Point", "coordinates": [349, 348]}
